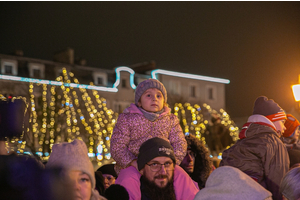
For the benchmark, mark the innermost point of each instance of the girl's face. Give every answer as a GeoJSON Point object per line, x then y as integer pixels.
{"type": "Point", "coordinates": [82, 184]}
{"type": "Point", "coordinates": [152, 100]}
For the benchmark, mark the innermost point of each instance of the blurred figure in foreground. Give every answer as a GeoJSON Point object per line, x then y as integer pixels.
{"type": "Point", "coordinates": [24, 178]}
{"type": "Point", "coordinates": [289, 186]}
{"type": "Point", "coordinates": [73, 158]}
{"type": "Point", "coordinates": [228, 182]}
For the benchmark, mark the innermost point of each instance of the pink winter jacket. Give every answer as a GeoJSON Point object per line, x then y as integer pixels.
{"type": "Point", "coordinates": [133, 129]}
{"type": "Point", "coordinates": [185, 188]}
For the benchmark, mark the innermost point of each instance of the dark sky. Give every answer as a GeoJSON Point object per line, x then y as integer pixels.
{"type": "Point", "coordinates": [256, 45]}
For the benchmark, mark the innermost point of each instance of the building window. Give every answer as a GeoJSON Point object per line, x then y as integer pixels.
{"type": "Point", "coordinates": [36, 70]}
{"type": "Point", "coordinates": [36, 73]}
{"type": "Point", "coordinates": [210, 94]}
{"type": "Point", "coordinates": [193, 91]}
{"type": "Point", "coordinates": [100, 78]}
{"type": "Point", "coordinates": [124, 85]}
{"type": "Point", "coordinates": [8, 69]}
{"type": "Point", "coordinates": [100, 81]}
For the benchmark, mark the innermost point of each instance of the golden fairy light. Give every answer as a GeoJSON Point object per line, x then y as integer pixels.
{"type": "Point", "coordinates": [63, 113]}
{"type": "Point", "coordinates": [194, 119]}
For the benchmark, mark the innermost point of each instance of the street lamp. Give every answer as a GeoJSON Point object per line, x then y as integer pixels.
{"type": "Point", "coordinates": [296, 90]}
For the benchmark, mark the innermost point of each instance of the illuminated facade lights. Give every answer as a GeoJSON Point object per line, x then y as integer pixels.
{"type": "Point", "coordinates": [76, 110]}
{"type": "Point", "coordinates": [155, 72]}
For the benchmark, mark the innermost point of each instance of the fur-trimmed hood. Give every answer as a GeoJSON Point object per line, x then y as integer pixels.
{"type": "Point", "coordinates": [203, 163]}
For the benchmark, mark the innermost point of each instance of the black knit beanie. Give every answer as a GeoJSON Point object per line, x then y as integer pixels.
{"type": "Point", "coordinates": [152, 148]}
{"type": "Point", "coordinates": [108, 169]}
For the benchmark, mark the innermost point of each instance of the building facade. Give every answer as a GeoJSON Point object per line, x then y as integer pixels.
{"type": "Point", "coordinates": [68, 99]}
{"type": "Point", "coordinates": [117, 86]}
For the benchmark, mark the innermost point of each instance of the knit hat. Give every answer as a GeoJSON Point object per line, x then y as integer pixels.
{"type": "Point", "coordinates": [152, 148]}
{"type": "Point", "coordinates": [228, 182]}
{"type": "Point", "coordinates": [290, 124]}
{"type": "Point", "coordinates": [72, 156]}
{"type": "Point", "coordinates": [145, 85]}
{"type": "Point", "coordinates": [269, 108]}
{"type": "Point", "coordinates": [108, 169]}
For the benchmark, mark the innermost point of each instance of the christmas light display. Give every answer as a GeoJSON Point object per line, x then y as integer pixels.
{"type": "Point", "coordinates": [194, 119]}
{"type": "Point", "coordinates": [63, 113]}
{"type": "Point", "coordinates": [60, 112]}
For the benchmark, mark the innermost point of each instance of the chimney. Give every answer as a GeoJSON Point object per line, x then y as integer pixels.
{"type": "Point", "coordinates": [65, 56]}
{"type": "Point", "coordinates": [81, 61]}
{"type": "Point", "coordinates": [19, 52]}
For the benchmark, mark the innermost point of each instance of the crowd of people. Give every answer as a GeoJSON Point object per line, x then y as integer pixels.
{"type": "Point", "coordinates": [156, 161]}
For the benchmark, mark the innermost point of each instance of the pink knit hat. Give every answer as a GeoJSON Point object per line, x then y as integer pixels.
{"type": "Point", "coordinates": [149, 83]}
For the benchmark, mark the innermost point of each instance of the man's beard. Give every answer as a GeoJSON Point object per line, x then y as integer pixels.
{"type": "Point", "coordinates": [154, 192]}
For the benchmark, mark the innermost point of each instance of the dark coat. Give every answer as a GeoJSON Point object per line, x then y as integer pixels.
{"type": "Point", "coordinates": [261, 155]}
{"type": "Point", "coordinates": [203, 163]}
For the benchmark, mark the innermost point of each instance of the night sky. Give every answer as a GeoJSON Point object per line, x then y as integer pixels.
{"type": "Point", "coordinates": [256, 45]}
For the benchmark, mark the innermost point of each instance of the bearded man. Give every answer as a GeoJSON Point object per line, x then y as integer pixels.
{"type": "Point", "coordinates": [156, 164]}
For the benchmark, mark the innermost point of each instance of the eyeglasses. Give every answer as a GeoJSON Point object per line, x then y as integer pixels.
{"type": "Point", "coordinates": [155, 167]}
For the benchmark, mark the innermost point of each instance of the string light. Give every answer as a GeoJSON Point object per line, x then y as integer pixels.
{"type": "Point", "coordinates": [78, 112]}
{"type": "Point", "coordinates": [194, 122]}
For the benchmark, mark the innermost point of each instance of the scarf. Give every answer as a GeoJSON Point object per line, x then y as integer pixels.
{"type": "Point", "coordinates": [151, 116]}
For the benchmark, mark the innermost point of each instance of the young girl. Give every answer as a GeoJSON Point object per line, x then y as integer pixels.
{"type": "Point", "coordinates": [149, 117]}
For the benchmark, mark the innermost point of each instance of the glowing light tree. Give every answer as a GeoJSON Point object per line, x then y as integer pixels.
{"type": "Point", "coordinates": [63, 113]}
{"type": "Point", "coordinates": [194, 119]}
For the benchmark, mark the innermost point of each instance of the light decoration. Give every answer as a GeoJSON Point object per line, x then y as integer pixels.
{"type": "Point", "coordinates": [65, 113]}
{"type": "Point", "coordinates": [194, 119]}
{"type": "Point", "coordinates": [72, 110]}
{"type": "Point", "coordinates": [123, 68]}
{"type": "Point", "coordinates": [57, 83]}
{"type": "Point", "coordinates": [77, 85]}
{"type": "Point", "coordinates": [155, 72]}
